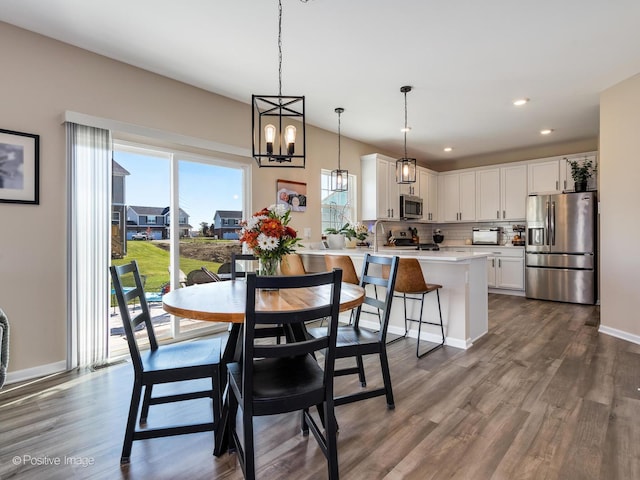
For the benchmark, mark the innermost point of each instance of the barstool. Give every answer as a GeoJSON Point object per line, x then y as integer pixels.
{"type": "Point", "coordinates": [410, 280]}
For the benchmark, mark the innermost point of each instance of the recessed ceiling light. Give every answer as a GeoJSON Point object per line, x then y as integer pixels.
{"type": "Point", "coordinates": [546, 131]}
{"type": "Point", "coordinates": [518, 102]}
{"type": "Point", "coordinates": [448, 149]}
{"type": "Point", "coordinates": [405, 129]}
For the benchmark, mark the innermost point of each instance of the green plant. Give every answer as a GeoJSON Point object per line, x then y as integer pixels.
{"type": "Point", "coordinates": [350, 231]}
{"type": "Point", "coordinates": [581, 171]}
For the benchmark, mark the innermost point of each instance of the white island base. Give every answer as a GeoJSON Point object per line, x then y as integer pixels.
{"type": "Point", "coordinates": [463, 297]}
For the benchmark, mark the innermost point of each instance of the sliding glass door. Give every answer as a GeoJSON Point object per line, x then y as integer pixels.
{"type": "Point", "coordinates": [174, 213]}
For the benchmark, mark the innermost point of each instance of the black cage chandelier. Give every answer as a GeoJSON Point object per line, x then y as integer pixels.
{"type": "Point", "coordinates": [405, 167]}
{"type": "Point", "coordinates": [276, 122]}
{"type": "Point", "coordinates": [339, 177]}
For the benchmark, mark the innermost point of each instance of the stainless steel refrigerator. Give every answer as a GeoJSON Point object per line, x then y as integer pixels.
{"type": "Point", "coordinates": [561, 247]}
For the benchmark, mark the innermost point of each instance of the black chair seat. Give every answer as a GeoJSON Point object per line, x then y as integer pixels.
{"type": "Point", "coordinates": [349, 336]}
{"type": "Point", "coordinates": [180, 356]}
{"type": "Point", "coordinates": [282, 383]}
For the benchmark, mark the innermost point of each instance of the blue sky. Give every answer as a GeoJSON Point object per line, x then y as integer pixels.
{"type": "Point", "coordinates": [203, 188]}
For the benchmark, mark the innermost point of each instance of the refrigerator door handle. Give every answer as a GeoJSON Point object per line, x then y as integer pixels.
{"type": "Point", "coordinates": [547, 225]}
{"type": "Point", "coordinates": [552, 223]}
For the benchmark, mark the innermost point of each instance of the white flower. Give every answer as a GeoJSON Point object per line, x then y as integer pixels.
{"type": "Point", "coordinates": [252, 223]}
{"type": "Point", "coordinates": [267, 243]}
{"type": "Point", "coordinates": [279, 209]}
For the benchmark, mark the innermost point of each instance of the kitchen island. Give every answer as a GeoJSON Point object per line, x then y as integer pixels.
{"type": "Point", "coordinates": [464, 296]}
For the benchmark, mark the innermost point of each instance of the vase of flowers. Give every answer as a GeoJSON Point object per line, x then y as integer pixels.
{"type": "Point", "coordinates": [269, 237]}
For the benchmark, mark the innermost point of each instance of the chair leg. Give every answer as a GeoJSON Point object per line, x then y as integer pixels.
{"type": "Point", "coordinates": [386, 377]}
{"type": "Point", "coordinates": [304, 426]}
{"type": "Point", "coordinates": [146, 400]}
{"type": "Point", "coordinates": [361, 376]}
{"type": "Point", "coordinates": [131, 423]}
{"type": "Point", "coordinates": [249, 454]}
{"type": "Point", "coordinates": [331, 438]}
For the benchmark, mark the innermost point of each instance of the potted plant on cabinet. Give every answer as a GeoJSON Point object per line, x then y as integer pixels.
{"type": "Point", "coordinates": [581, 171]}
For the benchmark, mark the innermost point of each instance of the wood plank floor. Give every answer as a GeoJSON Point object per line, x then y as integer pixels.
{"type": "Point", "coordinates": [542, 396]}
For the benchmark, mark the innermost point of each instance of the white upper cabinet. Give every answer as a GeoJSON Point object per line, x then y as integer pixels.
{"type": "Point", "coordinates": [457, 197]}
{"type": "Point", "coordinates": [513, 192]}
{"type": "Point", "coordinates": [428, 182]}
{"type": "Point", "coordinates": [544, 177]}
{"type": "Point", "coordinates": [380, 193]}
{"type": "Point", "coordinates": [501, 193]}
{"type": "Point", "coordinates": [488, 205]}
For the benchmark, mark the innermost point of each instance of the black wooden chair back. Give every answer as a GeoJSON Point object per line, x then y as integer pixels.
{"type": "Point", "coordinates": [279, 378]}
{"type": "Point", "coordinates": [235, 272]}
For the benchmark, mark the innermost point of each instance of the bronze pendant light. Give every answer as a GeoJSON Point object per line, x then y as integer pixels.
{"type": "Point", "coordinates": [276, 123]}
{"type": "Point", "coordinates": [339, 177]}
{"type": "Point", "coordinates": [405, 167]}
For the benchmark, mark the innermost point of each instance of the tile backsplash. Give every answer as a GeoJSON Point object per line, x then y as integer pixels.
{"type": "Point", "coordinates": [454, 233]}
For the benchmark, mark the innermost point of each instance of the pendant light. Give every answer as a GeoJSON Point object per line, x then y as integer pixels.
{"type": "Point", "coordinates": [278, 123]}
{"type": "Point", "coordinates": [405, 167]}
{"type": "Point", "coordinates": [339, 177]}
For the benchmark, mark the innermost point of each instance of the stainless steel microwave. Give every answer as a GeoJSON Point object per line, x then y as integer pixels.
{"type": "Point", "coordinates": [410, 207]}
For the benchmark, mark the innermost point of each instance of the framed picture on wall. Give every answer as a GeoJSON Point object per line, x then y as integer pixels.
{"type": "Point", "coordinates": [292, 194]}
{"type": "Point", "coordinates": [19, 167]}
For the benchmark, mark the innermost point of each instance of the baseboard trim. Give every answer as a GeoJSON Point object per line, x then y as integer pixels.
{"type": "Point", "coordinates": [428, 337]}
{"type": "Point", "coordinates": [614, 332]}
{"type": "Point", "coordinates": [35, 372]}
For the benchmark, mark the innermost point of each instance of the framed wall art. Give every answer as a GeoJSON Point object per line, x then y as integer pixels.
{"type": "Point", "coordinates": [19, 167]}
{"type": "Point", "coordinates": [292, 194]}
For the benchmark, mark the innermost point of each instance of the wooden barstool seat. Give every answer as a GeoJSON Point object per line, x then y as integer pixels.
{"type": "Point", "coordinates": [410, 280]}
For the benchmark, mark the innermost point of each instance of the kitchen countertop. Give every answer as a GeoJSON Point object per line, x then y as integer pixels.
{"type": "Point", "coordinates": [428, 255]}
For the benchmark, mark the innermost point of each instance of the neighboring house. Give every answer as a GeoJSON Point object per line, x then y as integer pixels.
{"type": "Point", "coordinates": [226, 224]}
{"type": "Point", "coordinates": [154, 221]}
{"type": "Point", "coordinates": [118, 211]}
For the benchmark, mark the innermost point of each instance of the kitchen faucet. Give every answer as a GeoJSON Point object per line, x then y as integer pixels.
{"type": "Point", "coordinates": [375, 235]}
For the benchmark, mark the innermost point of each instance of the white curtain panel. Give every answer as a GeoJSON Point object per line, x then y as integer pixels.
{"type": "Point", "coordinates": [89, 177]}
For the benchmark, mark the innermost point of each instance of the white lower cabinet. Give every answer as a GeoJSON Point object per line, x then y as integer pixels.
{"type": "Point", "coordinates": [505, 269]}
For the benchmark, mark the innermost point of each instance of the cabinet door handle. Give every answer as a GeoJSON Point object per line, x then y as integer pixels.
{"type": "Point", "coordinates": [498, 214]}
{"type": "Point", "coordinates": [504, 214]}
{"type": "Point", "coordinates": [493, 262]}
{"type": "Point", "coordinates": [556, 185]}
{"type": "Point", "coordinates": [565, 184]}
{"type": "Point", "coordinates": [499, 264]}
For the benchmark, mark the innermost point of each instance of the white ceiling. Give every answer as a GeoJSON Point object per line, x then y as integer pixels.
{"type": "Point", "coordinates": [466, 60]}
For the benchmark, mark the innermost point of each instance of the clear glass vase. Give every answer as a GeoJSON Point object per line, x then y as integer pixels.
{"type": "Point", "coordinates": [268, 266]}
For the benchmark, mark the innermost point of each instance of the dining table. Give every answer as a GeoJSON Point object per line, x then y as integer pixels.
{"type": "Point", "coordinates": [225, 301]}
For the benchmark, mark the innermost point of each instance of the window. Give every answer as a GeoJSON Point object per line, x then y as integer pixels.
{"type": "Point", "coordinates": [337, 208]}
{"type": "Point", "coordinates": [115, 218]}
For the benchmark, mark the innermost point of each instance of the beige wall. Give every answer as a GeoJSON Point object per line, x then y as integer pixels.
{"type": "Point", "coordinates": [42, 79]}
{"type": "Point", "coordinates": [619, 217]}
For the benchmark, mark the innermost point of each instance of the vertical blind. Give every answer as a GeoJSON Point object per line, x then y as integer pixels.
{"type": "Point", "coordinates": [89, 178]}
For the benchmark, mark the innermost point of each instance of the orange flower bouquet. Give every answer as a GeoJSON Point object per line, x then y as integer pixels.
{"type": "Point", "coordinates": [269, 237]}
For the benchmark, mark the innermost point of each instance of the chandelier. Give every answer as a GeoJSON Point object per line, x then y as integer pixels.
{"type": "Point", "coordinates": [339, 177]}
{"type": "Point", "coordinates": [275, 122]}
{"type": "Point", "coordinates": [405, 167]}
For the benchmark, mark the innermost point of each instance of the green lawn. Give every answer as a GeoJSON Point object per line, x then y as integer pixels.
{"type": "Point", "coordinates": [154, 263]}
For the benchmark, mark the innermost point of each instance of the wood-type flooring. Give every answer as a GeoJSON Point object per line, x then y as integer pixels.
{"type": "Point", "coordinates": [542, 396]}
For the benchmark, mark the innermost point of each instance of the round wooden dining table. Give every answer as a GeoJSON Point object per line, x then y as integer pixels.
{"type": "Point", "coordinates": [226, 301]}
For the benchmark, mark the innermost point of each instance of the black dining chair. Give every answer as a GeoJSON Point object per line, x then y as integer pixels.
{"type": "Point", "coordinates": [161, 364]}
{"type": "Point", "coordinates": [356, 341]}
{"type": "Point", "coordinates": [235, 257]}
{"type": "Point", "coordinates": [274, 379]}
